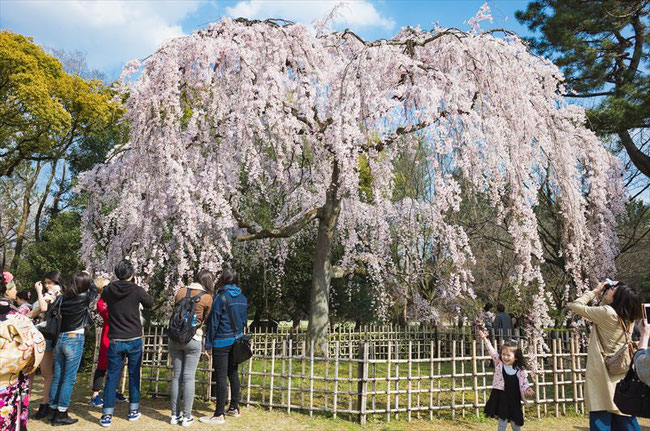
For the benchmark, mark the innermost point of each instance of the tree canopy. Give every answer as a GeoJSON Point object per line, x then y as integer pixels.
{"type": "Point", "coordinates": [602, 49]}
{"type": "Point", "coordinates": [253, 132]}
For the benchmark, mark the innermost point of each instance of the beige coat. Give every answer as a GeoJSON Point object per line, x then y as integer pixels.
{"type": "Point", "coordinates": [599, 385]}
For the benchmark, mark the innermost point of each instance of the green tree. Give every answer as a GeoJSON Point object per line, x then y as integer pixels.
{"type": "Point", "coordinates": [601, 47]}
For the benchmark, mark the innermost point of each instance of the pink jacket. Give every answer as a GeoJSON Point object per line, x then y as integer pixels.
{"type": "Point", "coordinates": [497, 380]}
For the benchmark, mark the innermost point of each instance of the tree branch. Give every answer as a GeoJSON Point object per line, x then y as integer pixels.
{"type": "Point", "coordinates": [276, 232]}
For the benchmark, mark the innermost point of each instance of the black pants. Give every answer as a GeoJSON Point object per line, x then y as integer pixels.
{"type": "Point", "coordinates": [98, 380]}
{"type": "Point", "coordinates": [223, 367]}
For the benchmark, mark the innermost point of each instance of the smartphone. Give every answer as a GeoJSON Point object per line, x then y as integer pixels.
{"type": "Point", "coordinates": [646, 313]}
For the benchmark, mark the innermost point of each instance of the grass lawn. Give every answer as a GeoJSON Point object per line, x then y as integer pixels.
{"type": "Point", "coordinates": [156, 417]}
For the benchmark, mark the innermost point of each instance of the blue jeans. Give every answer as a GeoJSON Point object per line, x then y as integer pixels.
{"type": "Point", "coordinates": [117, 352]}
{"type": "Point", "coordinates": [606, 421]}
{"type": "Point", "coordinates": [67, 357]}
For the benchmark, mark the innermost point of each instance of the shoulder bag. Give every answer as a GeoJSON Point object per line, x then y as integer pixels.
{"type": "Point", "coordinates": [241, 348]}
{"type": "Point", "coordinates": [619, 362]}
{"type": "Point", "coordinates": [632, 396]}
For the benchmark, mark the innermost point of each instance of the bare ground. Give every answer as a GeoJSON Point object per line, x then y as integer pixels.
{"type": "Point", "coordinates": [155, 416]}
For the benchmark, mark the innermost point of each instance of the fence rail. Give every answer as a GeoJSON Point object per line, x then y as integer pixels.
{"type": "Point", "coordinates": [397, 373]}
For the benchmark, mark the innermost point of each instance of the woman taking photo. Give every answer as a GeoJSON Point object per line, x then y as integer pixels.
{"type": "Point", "coordinates": [219, 340]}
{"type": "Point", "coordinates": [619, 307]}
{"type": "Point", "coordinates": [47, 292]}
{"type": "Point", "coordinates": [186, 356]}
{"type": "Point", "coordinates": [68, 349]}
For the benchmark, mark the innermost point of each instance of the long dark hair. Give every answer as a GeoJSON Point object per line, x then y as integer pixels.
{"type": "Point", "coordinates": [520, 361]}
{"type": "Point", "coordinates": [80, 283]}
{"type": "Point", "coordinates": [206, 279]}
{"type": "Point", "coordinates": [55, 276]}
{"type": "Point", "coordinates": [627, 303]}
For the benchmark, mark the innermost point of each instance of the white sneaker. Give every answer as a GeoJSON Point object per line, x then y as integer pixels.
{"type": "Point", "coordinates": [187, 421]}
{"type": "Point", "coordinates": [215, 420]}
{"type": "Point", "coordinates": [175, 420]}
{"type": "Point", "coordinates": [235, 413]}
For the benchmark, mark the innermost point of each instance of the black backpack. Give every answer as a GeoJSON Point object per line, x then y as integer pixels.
{"type": "Point", "coordinates": [181, 328]}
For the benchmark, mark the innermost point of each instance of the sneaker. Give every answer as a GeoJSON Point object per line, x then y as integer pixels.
{"type": "Point", "coordinates": [187, 421]}
{"type": "Point", "coordinates": [96, 401]}
{"type": "Point", "coordinates": [213, 420]}
{"type": "Point", "coordinates": [106, 420]}
{"type": "Point", "coordinates": [120, 398]}
{"type": "Point", "coordinates": [134, 415]}
{"type": "Point", "coordinates": [235, 413]}
{"type": "Point", "coordinates": [175, 420]}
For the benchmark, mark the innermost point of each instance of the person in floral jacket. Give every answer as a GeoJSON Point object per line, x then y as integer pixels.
{"type": "Point", "coordinates": [22, 347]}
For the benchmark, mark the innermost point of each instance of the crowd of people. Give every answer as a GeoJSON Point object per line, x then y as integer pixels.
{"type": "Point", "coordinates": [209, 317]}
{"type": "Point", "coordinates": [217, 317]}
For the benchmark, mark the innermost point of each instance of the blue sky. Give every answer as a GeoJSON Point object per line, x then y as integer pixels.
{"type": "Point", "coordinates": [113, 32]}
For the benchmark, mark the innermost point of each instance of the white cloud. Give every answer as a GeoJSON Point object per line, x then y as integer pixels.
{"type": "Point", "coordinates": [110, 32]}
{"type": "Point", "coordinates": [354, 14]}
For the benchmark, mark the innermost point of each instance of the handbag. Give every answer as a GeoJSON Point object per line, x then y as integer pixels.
{"type": "Point", "coordinates": [619, 362]}
{"type": "Point", "coordinates": [52, 319]}
{"type": "Point", "coordinates": [632, 396]}
{"type": "Point", "coordinates": [241, 348]}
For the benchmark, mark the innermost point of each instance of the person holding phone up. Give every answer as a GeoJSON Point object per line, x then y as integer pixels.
{"type": "Point", "coordinates": [642, 356]}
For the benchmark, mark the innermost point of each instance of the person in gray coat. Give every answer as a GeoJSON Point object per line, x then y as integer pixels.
{"type": "Point", "coordinates": [502, 323]}
{"type": "Point", "coordinates": [642, 356]}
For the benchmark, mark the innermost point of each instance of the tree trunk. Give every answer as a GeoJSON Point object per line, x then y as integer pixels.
{"type": "Point", "coordinates": [22, 226]}
{"type": "Point", "coordinates": [322, 267]}
{"type": "Point", "coordinates": [638, 157]}
{"type": "Point", "coordinates": [41, 205]}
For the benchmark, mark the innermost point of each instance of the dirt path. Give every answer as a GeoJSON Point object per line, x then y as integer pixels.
{"type": "Point", "coordinates": [155, 416]}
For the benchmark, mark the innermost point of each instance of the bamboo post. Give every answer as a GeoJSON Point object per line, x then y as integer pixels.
{"type": "Point", "coordinates": [574, 379]}
{"type": "Point", "coordinates": [431, 356]}
{"type": "Point", "coordinates": [362, 386]}
{"type": "Point", "coordinates": [556, 391]}
{"type": "Point", "coordinates": [248, 378]}
{"type": "Point", "coordinates": [475, 378]}
{"type": "Point", "coordinates": [289, 376]}
{"type": "Point", "coordinates": [284, 370]}
{"type": "Point", "coordinates": [303, 363]}
{"type": "Point", "coordinates": [540, 370]}
{"type": "Point", "coordinates": [453, 379]}
{"type": "Point", "coordinates": [311, 380]}
{"type": "Point", "coordinates": [408, 386]}
{"type": "Point", "coordinates": [336, 378]}
{"type": "Point", "coordinates": [388, 382]}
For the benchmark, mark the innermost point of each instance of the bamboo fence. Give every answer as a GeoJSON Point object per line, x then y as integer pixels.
{"type": "Point", "coordinates": [384, 372]}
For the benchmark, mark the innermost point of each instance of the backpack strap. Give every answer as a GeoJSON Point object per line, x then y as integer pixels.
{"type": "Point", "coordinates": [229, 311]}
{"type": "Point", "coordinates": [196, 297]}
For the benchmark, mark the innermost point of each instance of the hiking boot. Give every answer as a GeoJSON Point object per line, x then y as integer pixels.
{"type": "Point", "coordinates": [41, 412]}
{"type": "Point", "coordinates": [62, 418]}
{"type": "Point", "coordinates": [49, 414]}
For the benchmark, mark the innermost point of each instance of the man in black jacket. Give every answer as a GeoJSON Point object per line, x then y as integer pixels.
{"type": "Point", "coordinates": [123, 298]}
